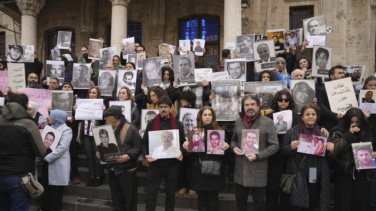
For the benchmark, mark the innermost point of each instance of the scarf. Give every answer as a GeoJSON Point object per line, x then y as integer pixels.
{"type": "Point", "coordinates": [157, 122]}
{"type": "Point", "coordinates": [250, 120]}
{"type": "Point", "coordinates": [35, 108]}
{"type": "Point", "coordinates": [304, 130]}
{"type": "Point", "coordinates": [59, 117]}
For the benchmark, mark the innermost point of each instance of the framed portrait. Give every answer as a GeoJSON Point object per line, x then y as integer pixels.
{"type": "Point", "coordinates": [188, 116]}
{"type": "Point", "coordinates": [314, 26]}
{"type": "Point", "coordinates": [106, 82]}
{"type": "Point", "coordinates": [282, 121]}
{"type": "Point", "coordinates": [264, 54]}
{"type": "Point", "coordinates": [51, 137]}
{"type": "Point", "coordinates": [303, 92]}
{"type": "Point", "coordinates": [81, 76]}
{"type": "Point", "coordinates": [215, 140]}
{"type": "Point", "coordinates": [20, 53]}
{"type": "Point", "coordinates": [293, 38]}
{"type": "Point", "coordinates": [147, 116]}
{"type": "Point", "coordinates": [244, 46]}
{"type": "Point", "coordinates": [62, 100]}
{"type": "Point", "coordinates": [236, 68]}
{"type": "Point", "coordinates": [250, 141]}
{"type": "Point", "coordinates": [356, 73]}
{"type": "Point", "coordinates": [363, 155]}
{"type": "Point", "coordinates": [55, 53]}
{"type": "Point", "coordinates": [184, 69]}
{"type": "Point", "coordinates": [94, 46]}
{"type": "Point", "coordinates": [106, 144]}
{"type": "Point", "coordinates": [265, 91]}
{"type": "Point", "coordinates": [184, 46]}
{"type": "Point", "coordinates": [140, 61]}
{"type": "Point", "coordinates": [196, 140]}
{"type": "Point", "coordinates": [311, 144]}
{"type": "Point", "coordinates": [164, 144]}
{"type": "Point", "coordinates": [129, 48]}
{"type": "Point", "coordinates": [131, 58]}
{"type": "Point", "coordinates": [55, 69]}
{"type": "Point", "coordinates": [126, 108]}
{"type": "Point", "coordinates": [226, 102]}
{"type": "Point", "coordinates": [105, 56]}
{"type": "Point", "coordinates": [198, 47]}
{"type": "Point", "coordinates": [64, 39]}
{"type": "Point", "coordinates": [151, 72]}
{"type": "Point", "coordinates": [277, 36]}
{"type": "Point", "coordinates": [367, 100]}
{"type": "Point", "coordinates": [126, 78]}
{"type": "Point", "coordinates": [322, 61]}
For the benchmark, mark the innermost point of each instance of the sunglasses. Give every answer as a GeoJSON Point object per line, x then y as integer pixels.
{"type": "Point", "coordinates": [285, 100]}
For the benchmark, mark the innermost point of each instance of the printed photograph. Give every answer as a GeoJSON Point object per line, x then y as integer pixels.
{"type": "Point", "coordinates": [196, 140]}
{"type": "Point", "coordinates": [51, 137]}
{"type": "Point", "coordinates": [164, 144]}
{"type": "Point", "coordinates": [151, 72]}
{"type": "Point", "coordinates": [106, 144]}
{"type": "Point", "coordinates": [244, 46]}
{"type": "Point", "coordinates": [62, 100]}
{"type": "Point", "coordinates": [215, 142]}
{"type": "Point", "coordinates": [250, 141]}
{"type": "Point", "coordinates": [264, 55]}
{"type": "Point", "coordinates": [64, 39]}
{"type": "Point", "coordinates": [282, 121]}
{"type": "Point", "coordinates": [322, 61]}
{"type": "Point", "coordinates": [81, 76]}
{"type": "Point", "coordinates": [363, 155]}
{"type": "Point", "coordinates": [184, 69]}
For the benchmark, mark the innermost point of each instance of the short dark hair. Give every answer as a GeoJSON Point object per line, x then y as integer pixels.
{"type": "Point", "coordinates": [247, 97]}
{"type": "Point", "coordinates": [51, 133]}
{"type": "Point", "coordinates": [367, 148]}
{"type": "Point", "coordinates": [189, 96]}
{"type": "Point", "coordinates": [128, 73]}
{"type": "Point", "coordinates": [103, 132]}
{"type": "Point", "coordinates": [274, 103]}
{"type": "Point", "coordinates": [226, 53]}
{"type": "Point", "coordinates": [271, 74]}
{"type": "Point", "coordinates": [314, 107]}
{"type": "Point", "coordinates": [165, 100]}
{"type": "Point", "coordinates": [214, 133]}
{"type": "Point", "coordinates": [332, 70]}
{"type": "Point", "coordinates": [54, 78]}
{"type": "Point", "coordinates": [322, 50]}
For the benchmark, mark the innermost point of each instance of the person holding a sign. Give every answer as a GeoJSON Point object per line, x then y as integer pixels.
{"type": "Point", "coordinates": [126, 94]}
{"type": "Point", "coordinates": [352, 187]}
{"type": "Point", "coordinates": [312, 181]}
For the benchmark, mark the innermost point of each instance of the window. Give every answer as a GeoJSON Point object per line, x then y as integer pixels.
{"type": "Point", "coordinates": [134, 30]}
{"type": "Point", "coordinates": [298, 14]}
{"type": "Point", "coordinates": [203, 27]}
{"type": "Point", "coordinates": [52, 39]}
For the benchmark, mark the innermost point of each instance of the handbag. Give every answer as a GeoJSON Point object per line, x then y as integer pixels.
{"type": "Point", "coordinates": [31, 185]}
{"type": "Point", "coordinates": [210, 167]}
{"type": "Point", "coordinates": [286, 180]}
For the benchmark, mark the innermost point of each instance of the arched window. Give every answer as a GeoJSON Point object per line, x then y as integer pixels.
{"type": "Point", "coordinates": [203, 27]}
{"type": "Point", "coordinates": [134, 30]}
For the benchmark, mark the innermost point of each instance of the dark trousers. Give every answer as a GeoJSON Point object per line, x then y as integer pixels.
{"type": "Point", "coordinates": [350, 194]}
{"type": "Point", "coordinates": [184, 172]}
{"type": "Point", "coordinates": [95, 168]}
{"type": "Point", "coordinates": [123, 190]}
{"type": "Point", "coordinates": [258, 195]}
{"type": "Point", "coordinates": [154, 176]}
{"type": "Point", "coordinates": [207, 200]}
{"type": "Point", "coordinates": [314, 195]}
{"type": "Point", "coordinates": [73, 150]}
{"type": "Point", "coordinates": [52, 197]}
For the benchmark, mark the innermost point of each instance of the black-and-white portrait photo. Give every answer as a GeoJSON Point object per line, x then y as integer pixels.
{"type": "Point", "coordinates": [140, 60]}
{"type": "Point", "coordinates": [322, 61]}
{"type": "Point", "coordinates": [184, 67]}
{"type": "Point", "coordinates": [314, 26]}
{"type": "Point", "coordinates": [188, 116]}
{"type": "Point", "coordinates": [106, 144]}
{"type": "Point", "coordinates": [55, 69]}
{"type": "Point", "coordinates": [106, 82]}
{"type": "Point", "coordinates": [147, 115]}
{"type": "Point", "coordinates": [128, 79]}
{"type": "Point", "coordinates": [265, 91]}
{"type": "Point", "coordinates": [62, 100]}
{"type": "Point", "coordinates": [81, 76]}
{"type": "Point", "coordinates": [94, 46]}
{"type": "Point", "coordinates": [64, 39]}
{"type": "Point", "coordinates": [132, 58]}
{"type": "Point", "coordinates": [106, 55]}
{"type": "Point", "coordinates": [151, 72]}
{"type": "Point", "coordinates": [16, 53]}
{"type": "Point", "coordinates": [244, 46]}
{"type": "Point", "coordinates": [264, 55]}
{"type": "Point", "coordinates": [55, 53]}
{"type": "Point", "coordinates": [129, 48]}
{"type": "Point", "coordinates": [303, 92]}
{"type": "Point", "coordinates": [226, 101]}
{"type": "Point", "coordinates": [125, 106]}
{"type": "Point", "coordinates": [236, 68]}
{"type": "Point", "coordinates": [164, 144]}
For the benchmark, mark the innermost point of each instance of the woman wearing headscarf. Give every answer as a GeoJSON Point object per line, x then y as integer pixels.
{"type": "Point", "coordinates": [56, 168]}
{"type": "Point", "coordinates": [32, 110]}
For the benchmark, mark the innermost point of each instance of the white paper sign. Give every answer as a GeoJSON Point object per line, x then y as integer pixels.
{"type": "Point", "coordinates": [125, 107]}
{"type": "Point", "coordinates": [203, 74]}
{"type": "Point", "coordinates": [89, 109]}
{"type": "Point", "coordinates": [2, 101]}
{"type": "Point", "coordinates": [217, 76]}
{"type": "Point", "coordinates": [315, 40]}
{"type": "Point", "coordinates": [16, 75]}
{"type": "Point", "coordinates": [341, 95]}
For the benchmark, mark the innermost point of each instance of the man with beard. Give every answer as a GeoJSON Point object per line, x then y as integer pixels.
{"type": "Point", "coordinates": [186, 70]}
{"type": "Point", "coordinates": [32, 81]}
{"type": "Point", "coordinates": [84, 59]}
{"type": "Point", "coordinates": [251, 169]}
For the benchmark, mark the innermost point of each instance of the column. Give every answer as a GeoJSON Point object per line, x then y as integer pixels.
{"type": "Point", "coordinates": [232, 21]}
{"type": "Point", "coordinates": [29, 10]}
{"type": "Point", "coordinates": [119, 23]}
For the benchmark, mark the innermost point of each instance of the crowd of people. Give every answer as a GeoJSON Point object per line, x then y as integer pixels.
{"type": "Point", "coordinates": [256, 169]}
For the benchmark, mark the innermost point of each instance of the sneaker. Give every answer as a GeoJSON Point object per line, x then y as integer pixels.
{"type": "Point", "coordinates": [97, 182]}
{"type": "Point", "coordinates": [90, 182]}
{"type": "Point", "coordinates": [76, 180]}
{"type": "Point", "coordinates": [182, 191]}
{"type": "Point", "coordinates": [192, 192]}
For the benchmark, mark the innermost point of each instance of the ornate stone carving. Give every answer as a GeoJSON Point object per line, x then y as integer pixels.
{"type": "Point", "coordinates": [30, 7]}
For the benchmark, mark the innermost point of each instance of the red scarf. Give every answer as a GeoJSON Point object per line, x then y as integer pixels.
{"type": "Point", "coordinates": [157, 122]}
{"type": "Point", "coordinates": [250, 120]}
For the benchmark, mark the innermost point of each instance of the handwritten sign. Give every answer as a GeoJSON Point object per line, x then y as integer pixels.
{"type": "Point", "coordinates": [41, 96]}
{"type": "Point", "coordinates": [16, 74]}
{"type": "Point", "coordinates": [4, 82]}
{"type": "Point", "coordinates": [2, 99]}
{"type": "Point", "coordinates": [89, 109]}
{"type": "Point", "coordinates": [217, 76]}
{"type": "Point", "coordinates": [341, 95]}
{"type": "Point", "coordinates": [203, 73]}
{"type": "Point", "coordinates": [315, 40]}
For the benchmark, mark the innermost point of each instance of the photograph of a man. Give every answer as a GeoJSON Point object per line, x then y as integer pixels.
{"type": "Point", "coordinates": [168, 148]}
{"type": "Point", "coordinates": [49, 139]}
{"type": "Point", "coordinates": [56, 69]}
{"type": "Point", "coordinates": [368, 97]}
{"type": "Point", "coordinates": [147, 116]}
{"type": "Point", "coordinates": [236, 68]}
{"type": "Point", "coordinates": [108, 151]}
{"type": "Point", "coordinates": [151, 72]}
{"type": "Point", "coordinates": [198, 46]}
{"type": "Point", "coordinates": [250, 141]}
{"type": "Point", "coordinates": [94, 46]}
{"type": "Point", "coordinates": [129, 79]}
{"type": "Point", "coordinates": [264, 55]}
{"type": "Point", "coordinates": [292, 40]}
{"type": "Point", "coordinates": [281, 125]}
{"type": "Point", "coordinates": [64, 39]}
{"type": "Point", "coordinates": [215, 142]}
{"type": "Point", "coordinates": [184, 69]}
{"type": "Point", "coordinates": [63, 100]}
{"type": "Point", "coordinates": [105, 58]}
{"type": "Point", "coordinates": [363, 156]}
{"type": "Point", "coordinates": [278, 46]}
{"type": "Point", "coordinates": [81, 76]}
{"type": "Point", "coordinates": [55, 53]}
{"type": "Point", "coordinates": [314, 26]}
{"type": "Point", "coordinates": [321, 61]}
{"type": "Point", "coordinates": [244, 46]}
{"type": "Point", "coordinates": [16, 53]}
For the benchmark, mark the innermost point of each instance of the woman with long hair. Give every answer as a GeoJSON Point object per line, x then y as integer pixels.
{"type": "Point", "coordinates": [305, 194]}
{"type": "Point", "coordinates": [207, 187]}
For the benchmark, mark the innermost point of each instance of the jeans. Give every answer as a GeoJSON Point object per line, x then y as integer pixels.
{"type": "Point", "coordinates": [12, 195]}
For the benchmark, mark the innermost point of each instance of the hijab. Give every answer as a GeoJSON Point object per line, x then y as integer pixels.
{"type": "Point", "coordinates": [59, 117]}
{"type": "Point", "coordinates": [35, 108]}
